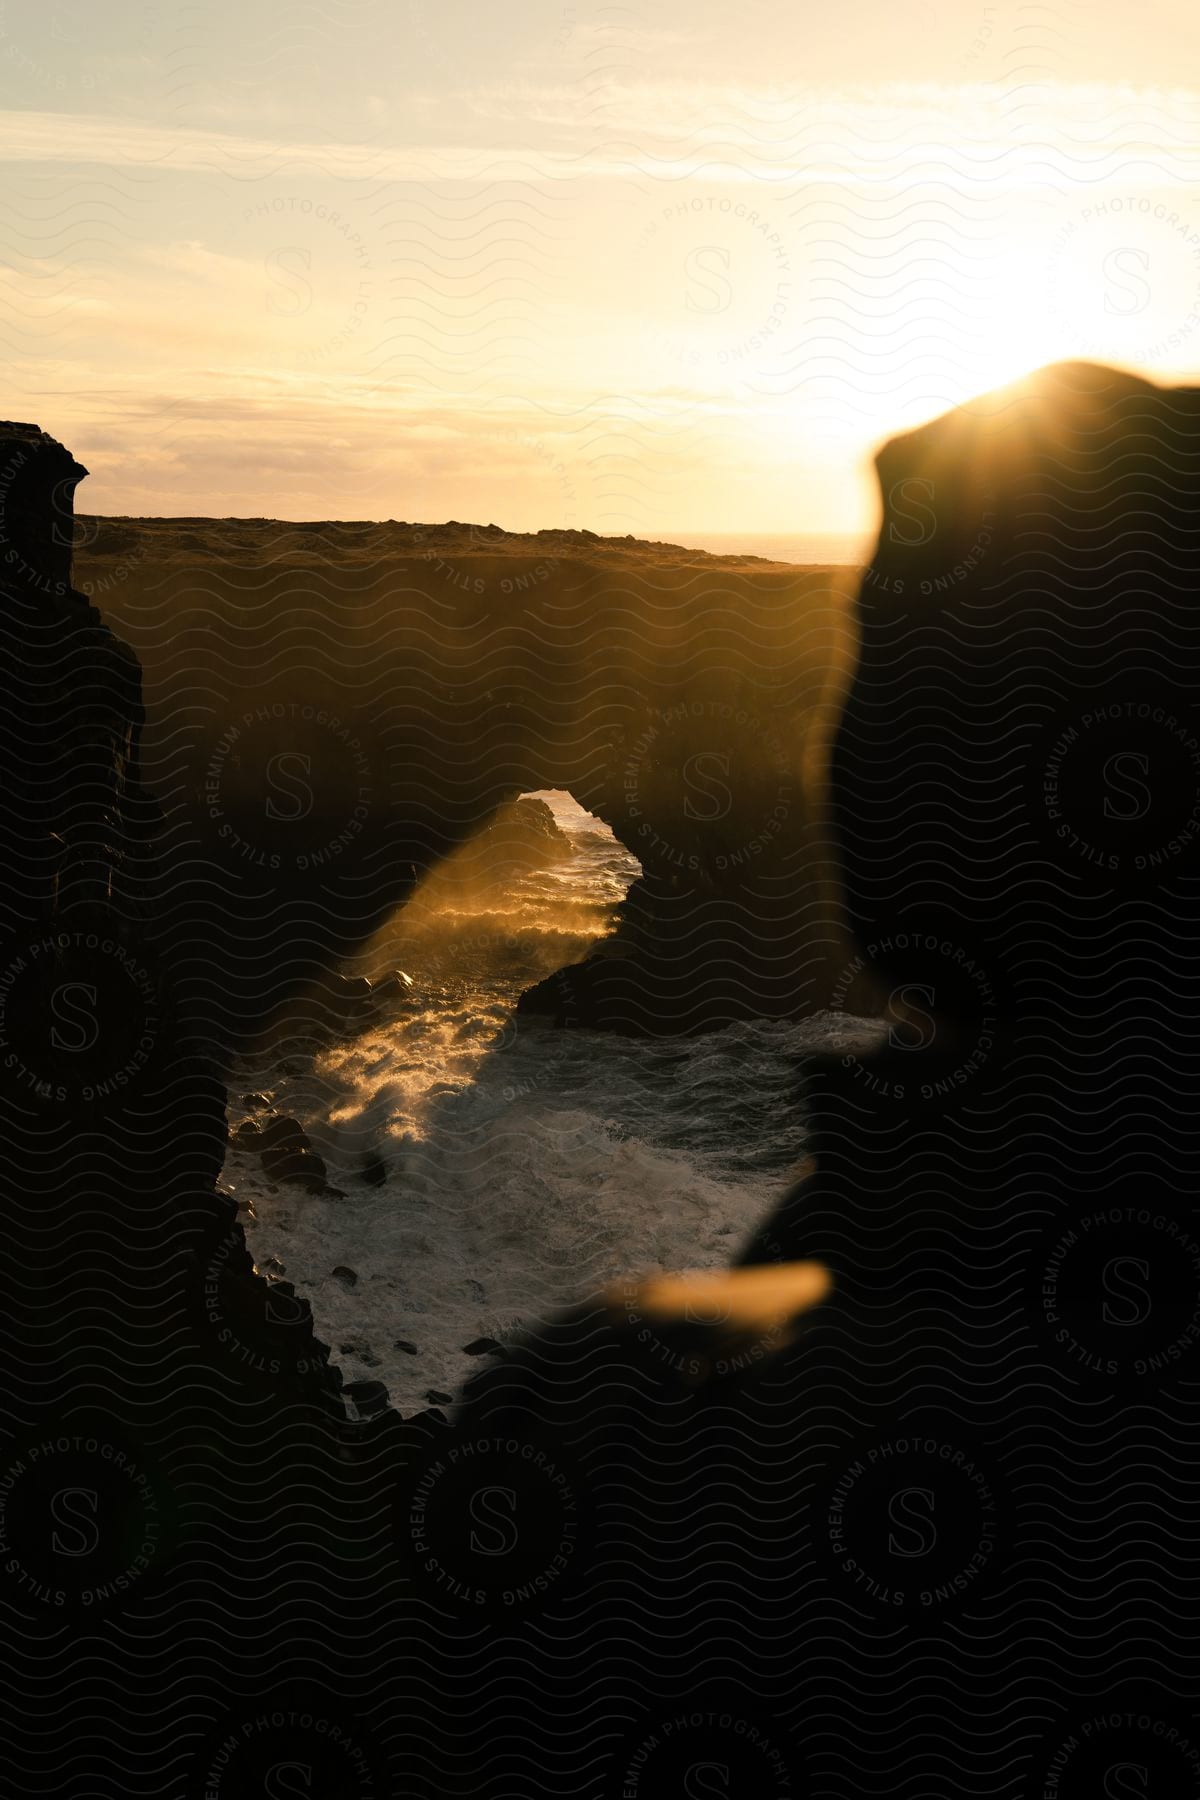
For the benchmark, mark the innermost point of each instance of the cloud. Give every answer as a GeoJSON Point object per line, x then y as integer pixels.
{"type": "Point", "coordinates": [670, 130]}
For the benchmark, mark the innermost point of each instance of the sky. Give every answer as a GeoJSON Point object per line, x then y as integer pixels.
{"type": "Point", "coordinates": [655, 268]}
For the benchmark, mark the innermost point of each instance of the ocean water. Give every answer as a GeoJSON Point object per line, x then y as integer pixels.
{"type": "Point", "coordinates": [804, 547]}
{"type": "Point", "coordinates": [516, 1167]}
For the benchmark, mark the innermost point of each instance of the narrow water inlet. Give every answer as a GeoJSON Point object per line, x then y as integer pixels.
{"type": "Point", "coordinates": [413, 1102]}
{"type": "Point", "coordinates": [489, 1170]}
{"type": "Point", "coordinates": [542, 876]}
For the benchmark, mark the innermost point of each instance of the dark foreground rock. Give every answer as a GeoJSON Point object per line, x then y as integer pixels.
{"type": "Point", "coordinates": [158, 1392]}
{"type": "Point", "coordinates": [1017, 783]}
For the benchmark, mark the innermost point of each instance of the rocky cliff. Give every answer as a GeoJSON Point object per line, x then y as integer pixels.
{"type": "Point", "coordinates": [332, 708]}
{"type": "Point", "coordinates": [113, 1107]}
{"type": "Point", "coordinates": [1005, 1193]}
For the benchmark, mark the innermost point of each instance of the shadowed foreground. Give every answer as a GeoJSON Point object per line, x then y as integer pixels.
{"type": "Point", "coordinates": [931, 1534]}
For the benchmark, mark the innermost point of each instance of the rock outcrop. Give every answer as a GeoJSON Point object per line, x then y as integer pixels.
{"type": "Point", "coordinates": [1005, 1193]}
{"type": "Point", "coordinates": [333, 709]}
{"type": "Point", "coordinates": [113, 1105]}
{"type": "Point", "coordinates": [172, 1437]}
{"type": "Point", "coordinates": [1018, 745]}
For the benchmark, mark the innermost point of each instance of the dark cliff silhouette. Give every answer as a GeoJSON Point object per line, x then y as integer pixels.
{"type": "Point", "coordinates": [1005, 1196]}
{"type": "Point", "coordinates": [161, 1403]}
{"type": "Point", "coordinates": [113, 1106]}
{"type": "Point", "coordinates": [1017, 782]}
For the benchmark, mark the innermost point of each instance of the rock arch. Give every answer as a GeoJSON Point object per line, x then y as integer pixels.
{"type": "Point", "coordinates": [332, 708]}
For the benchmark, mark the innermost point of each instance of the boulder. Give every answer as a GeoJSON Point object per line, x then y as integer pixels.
{"type": "Point", "coordinates": [369, 1398]}
{"type": "Point", "coordinates": [391, 986]}
{"type": "Point", "coordinates": [349, 990]}
{"type": "Point", "coordinates": [281, 1132]}
{"type": "Point", "coordinates": [302, 1168]}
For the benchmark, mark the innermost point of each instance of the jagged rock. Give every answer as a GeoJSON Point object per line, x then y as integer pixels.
{"type": "Point", "coordinates": [349, 990]}
{"type": "Point", "coordinates": [283, 1133]}
{"type": "Point", "coordinates": [522, 835]}
{"type": "Point", "coordinates": [256, 1102]}
{"type": "Point", "coordinates": [529, 824]}
{"type": "Point", "coordinates": [303, 1168]}
{"type": "Point", "coordinates": [287, 1153]}
{"type": "Point", "coordinates": [369, 1397]}
{"type": "Point", "coordinates": [132, 1134]}
{"type": "Point", "coordinates": [391, 986]}
{"type": "Point", "coordinates": [39, 478]}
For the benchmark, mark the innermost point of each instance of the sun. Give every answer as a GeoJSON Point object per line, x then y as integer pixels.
{"type": "Point", "coordinates": [987, 328]}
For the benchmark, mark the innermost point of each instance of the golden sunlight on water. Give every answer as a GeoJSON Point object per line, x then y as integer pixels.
{"type": "Point", "coordinates": [530, 893]}
{"type": "Point", "coordinates": [762, 1298]}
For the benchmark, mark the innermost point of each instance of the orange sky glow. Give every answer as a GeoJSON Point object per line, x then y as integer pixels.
{"type": "Point", "coordinates": [663, 270]}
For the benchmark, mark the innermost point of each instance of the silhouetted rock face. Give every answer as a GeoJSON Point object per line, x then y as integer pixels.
{"type": "Point", "coordinates": [522, 835]}
{"type": "Point", "coordinates": [113, 1115]}
{"type": "Point", "coordinates": [70, 726]}
{"type": "Point", "coordinates": [38, 478]}
{"type": "Point", "coordinates": [1017, 786]}
{"type": "Point", "coordinates": [1005, 1194]}
{"type": "Point", "coordinates": [532, 821]}
{"type": "Point", "coordinates": [1019, 748]}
